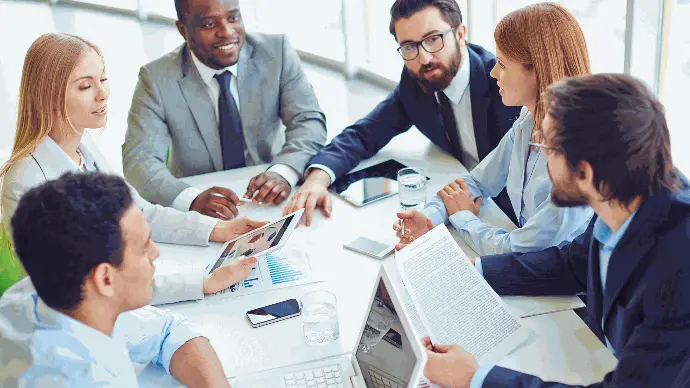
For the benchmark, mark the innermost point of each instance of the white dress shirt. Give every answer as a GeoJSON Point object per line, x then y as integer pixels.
{"type": "Point", "coordinates": [458, 92]}
{"type": "Point", "coordinates": [42, 347]}
{"type": "Point", "coordinates": [184, 200]}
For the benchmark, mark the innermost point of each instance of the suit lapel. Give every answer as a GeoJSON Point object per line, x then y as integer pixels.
{"type": "Point", "coordinates": [480, 100]}
{"type": "Point", "coordinates": [634, 247]}
{"type": "Point", "coordinates": [203, 109]}
{"type": "Point", "coordinates": [249, 82]}
{"type": "Point", "coordinates": [52, 160]}
{"type": "Point", "coordinates": [594, 291]}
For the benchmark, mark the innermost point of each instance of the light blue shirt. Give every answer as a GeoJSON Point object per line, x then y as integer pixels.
{"type": "Point", "coordinates": [42, 347]}
{"type": "Point", "coordinates": [525, 175]}
{"type": "Point", "coordinates": [608, 239]}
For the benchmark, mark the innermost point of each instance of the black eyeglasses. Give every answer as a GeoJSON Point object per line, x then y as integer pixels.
{"type": "Point", "coordinates": [430, 44]}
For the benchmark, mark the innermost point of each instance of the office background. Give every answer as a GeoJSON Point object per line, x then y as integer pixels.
{"type": "Point", "coordinates": [348, 52]}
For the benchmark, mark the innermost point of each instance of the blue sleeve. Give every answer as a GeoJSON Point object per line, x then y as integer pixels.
{"type": "Point", "coordinates": [486, 180]}
{"type": "Point", "coordinates": [549, 226]}
{"type": "Point", "coordinates": [480, 376]}
{"type": "Point", "coordinates": [554, 271]}
{"type": "Point", "coordinates": [366, 137]}
{"type": "Point", "coordinates": [154, 335]}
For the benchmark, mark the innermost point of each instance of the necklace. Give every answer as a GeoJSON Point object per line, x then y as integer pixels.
{"type": "Point", "coordinates": [81, 165]}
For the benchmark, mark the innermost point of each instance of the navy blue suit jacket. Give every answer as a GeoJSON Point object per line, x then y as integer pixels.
{"type": "Point", "coordinates": [409, 105]}
{"type": "Point", "coordinates": [646, 304]}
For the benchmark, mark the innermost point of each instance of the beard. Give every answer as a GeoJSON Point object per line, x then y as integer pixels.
{"type": "Point", "coordinates": [448, 72]}
{"type": "Point", "coordinates": [566, 194]}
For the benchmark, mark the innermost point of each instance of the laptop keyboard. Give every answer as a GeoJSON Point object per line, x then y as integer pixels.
{"type": "Point", "coordinates": [324, 377]}
{"type": "Point", "coordinates": [382, 382]}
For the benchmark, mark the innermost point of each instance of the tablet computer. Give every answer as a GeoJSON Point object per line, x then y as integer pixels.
{"type": "Point", "coordinates": [261, 241]}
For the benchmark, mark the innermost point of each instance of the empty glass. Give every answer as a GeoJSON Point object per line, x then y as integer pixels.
{"type": "Point", "coordinates": [411, 188]}
{"type": "Point", "coordinates": [320, 317]}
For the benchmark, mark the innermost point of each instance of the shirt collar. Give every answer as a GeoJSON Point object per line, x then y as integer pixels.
{"type": "Point", "coordinates": [457, 86]}
{"type": "Point", "coordinates": [603, 233]}
{"type": "Point", "coordinates": [89, 160]}
{"type": "Point", "coordinates": [207, 73]}
{"type": "Point", "coordinates": [102, 348]}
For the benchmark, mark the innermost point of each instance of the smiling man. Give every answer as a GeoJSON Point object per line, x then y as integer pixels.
{"type": "Point", "coordinates": [217, 103]}
{"type": "Point", "coordinates": [445, 91]}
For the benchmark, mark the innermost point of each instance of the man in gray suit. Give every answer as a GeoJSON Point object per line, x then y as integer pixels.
{"type": "Point", "coordinates": [217, 103]}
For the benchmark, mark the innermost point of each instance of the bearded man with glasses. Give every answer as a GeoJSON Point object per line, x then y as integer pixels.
{"type": "Point", "coordinates": [445, 91]}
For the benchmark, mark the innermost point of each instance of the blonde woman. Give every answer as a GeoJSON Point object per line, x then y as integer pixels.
{"type": "Point", "coordinates": [64, 90]}
{"type": "Point", "coordinates": [536, 46]}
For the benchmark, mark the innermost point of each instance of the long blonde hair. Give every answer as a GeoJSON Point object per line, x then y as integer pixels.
{"type": "Point", "coordinates": [547, 38]}
{"type": "Point", "coordinates": [42, 95]}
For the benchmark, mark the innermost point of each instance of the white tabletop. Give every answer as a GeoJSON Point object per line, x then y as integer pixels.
{"type": "Point", "coordinates": [562, 348]}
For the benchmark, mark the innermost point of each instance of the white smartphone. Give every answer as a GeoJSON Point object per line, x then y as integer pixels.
{"type": "Point", "coordinates": [369, 247]}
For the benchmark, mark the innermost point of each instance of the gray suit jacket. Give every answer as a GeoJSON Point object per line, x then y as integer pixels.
{"type": "Point", "coordinates": [171, 109]}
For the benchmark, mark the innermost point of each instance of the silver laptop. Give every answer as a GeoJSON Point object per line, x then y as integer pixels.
{"type": "Point", "coordinates": [397, 360]}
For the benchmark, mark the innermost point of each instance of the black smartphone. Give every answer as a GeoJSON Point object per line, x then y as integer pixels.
{"type": "Point", "coordinates": [393, 338]}
{"type": "Point", "coordinates": [273, 313]}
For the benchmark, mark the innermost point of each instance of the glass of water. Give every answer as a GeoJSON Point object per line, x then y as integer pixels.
{"type": "Point", "coordinates": [411, 188]}
{"type": "Point", "coordinates": [320, 317]}
{"type": "Point", "coordinates": [379, 321]}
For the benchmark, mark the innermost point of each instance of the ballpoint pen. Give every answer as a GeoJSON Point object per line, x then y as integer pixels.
{"type": "Point", "coordinates": [402, 227]}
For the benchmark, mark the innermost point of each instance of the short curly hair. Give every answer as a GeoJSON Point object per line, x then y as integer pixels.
{"type": "Point", "coordinates": [64, 228]}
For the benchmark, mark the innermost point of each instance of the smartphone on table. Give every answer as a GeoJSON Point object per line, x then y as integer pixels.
{"type": "Point", "coordinates": [274, 313]}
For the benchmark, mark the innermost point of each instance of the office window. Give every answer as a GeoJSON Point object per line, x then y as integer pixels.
{"type": "Point", "coordinates": [675, 81]}
{"type": "Point", "coordinates": [165, 8]}
{"type": "Point", "coordinates": [130, 5]}
{"type": "Point", "coordinates": [313, 26]}
{"type": "Point", "coordinates": [603, 23]}
{"type": "Point", "coordinates": [381, 55]}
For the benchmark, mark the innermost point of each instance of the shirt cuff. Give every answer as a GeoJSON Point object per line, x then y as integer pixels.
{"type": "Point", "coordinates": [480, 375]}
{"type": "Point", "coordinates": [327, 170]}
{"type": "Point", "coordinates": [184, 200]}
{"type": "Point", "coordinates": [207, 224]}
{"type": "Point", "coordinates": [461, 218]}
{"type": "Point", "coordinates": [478, 266]}
{"type": "Point", "coordinates": [178, 287]}
{"type": "Point", "coordinates": [287, 172]}
{"type": "Point", "coordinates": [434, 215]}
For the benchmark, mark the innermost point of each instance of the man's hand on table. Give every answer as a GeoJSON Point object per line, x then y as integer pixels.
{"type": "Point", "coordinates": [268, 187]}
{"type": "Point", "coordinates": [449, 365]}
{"type": "Point", "coordinates": [456, 197]}
{"type": "Point", "coordinates": [217, 202]}
{"type": "Point", "coordinates": [416, 225]}
{"type": "Point", "coordinates": [312, 194]}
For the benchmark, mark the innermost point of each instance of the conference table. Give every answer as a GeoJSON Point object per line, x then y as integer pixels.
{"type": "Point", "coordinates": [561, 347]}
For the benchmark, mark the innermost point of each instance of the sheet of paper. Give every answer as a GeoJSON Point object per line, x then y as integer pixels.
{"type": "Point", "coordinates": [455, 303]}
{"type": "Point", "coordinates": [538, 305]}
{"type": "Point", "coordinates": [286, 267]}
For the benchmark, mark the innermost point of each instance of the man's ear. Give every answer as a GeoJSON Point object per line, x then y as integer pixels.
{"type": "Point", "coordinates": [461, 33]}
{"type": "Point", "coordinates": [584, 177]}
{"type": "Point", "coordinates": [103, 279]}
{"type": "Point", "coordinates": [182, 29]}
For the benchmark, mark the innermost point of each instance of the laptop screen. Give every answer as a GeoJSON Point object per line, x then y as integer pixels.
{"type": "Point", "coordinates": [384, 352]}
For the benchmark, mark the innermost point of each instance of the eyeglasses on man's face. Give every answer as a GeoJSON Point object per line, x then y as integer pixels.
{"type": "Point", "coordinates": [431, 44]}
{"type": "Point", "coordinates": [541, 145]}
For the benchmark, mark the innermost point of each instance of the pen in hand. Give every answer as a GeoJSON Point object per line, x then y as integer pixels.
{"type": "Point", "coordinates": [402, 227]}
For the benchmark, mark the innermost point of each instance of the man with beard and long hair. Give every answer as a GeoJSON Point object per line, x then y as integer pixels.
{"type": "Point", "coordinates": [608, 147]}
{"type": "Point", "coordinates": [445, 91]}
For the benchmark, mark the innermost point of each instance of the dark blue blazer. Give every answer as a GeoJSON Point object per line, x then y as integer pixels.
{"type": "Point", "coordinates": [409, 105]}
{"type": "Point", "coordinates": [646, 304]}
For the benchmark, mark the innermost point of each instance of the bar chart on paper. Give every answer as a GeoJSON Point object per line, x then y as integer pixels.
{"type": "Point", "coordinates": [284, 268]}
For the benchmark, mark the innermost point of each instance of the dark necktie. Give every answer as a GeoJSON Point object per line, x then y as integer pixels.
{"type": "Point", "coordinates": [231, 136]}
{"type": "Point", "coordinates": [449, 125]}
